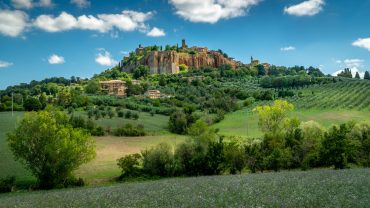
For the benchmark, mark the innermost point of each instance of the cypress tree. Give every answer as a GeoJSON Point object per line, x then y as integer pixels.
{"type": "Point", "coordinates": [357, 76]}
{"type": "Point", "coordinates": [367, 75]}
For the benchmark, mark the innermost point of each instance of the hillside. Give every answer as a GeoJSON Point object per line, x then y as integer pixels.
{"type": "Point", "coordinates": [173, 59]}
{"type": "Point", "coordinates": [318, 188]}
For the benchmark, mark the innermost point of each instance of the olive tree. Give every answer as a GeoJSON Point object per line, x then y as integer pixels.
{"type": "Point", "coordinates": [50, 147]}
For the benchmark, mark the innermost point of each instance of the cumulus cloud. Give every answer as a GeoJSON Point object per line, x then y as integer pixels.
{"type": "Point", "coordinates": [306, 8]}
{"type": "Point", "coordinates": [156, 32]}
{"type": "Point", "coordinates": [211, 11]}
{"type": "Point", "coordinates": [5, 64]}
{"type": "Point", "coordinates": [104, 58]}
{"type": "Point", "coordinates": [50, 23]}
{"type": "Point", "coordinates": [28, 4]}
{"type": "Point", "coordinates": [81, 3]}
{"type": "Point", "coordinates": [125, 21]}
{"type": "Point", "coordinates": [12, 23]}
{"type": "Point", "coordinates": [356, 65]}
{"type": "Point", "coordinates": [288, 48]}
{"type": "Point", "coordinates": [45, 3]}
{"type": "Point", "coordinates": [362, 43]}
{"type": "Point", "coordinates": [55, 59]}
{"type": "Point", "coordinates": [22, 4]}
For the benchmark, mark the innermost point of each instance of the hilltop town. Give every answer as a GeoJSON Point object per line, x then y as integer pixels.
{"type": "Point", "coordinates": [173, 59]}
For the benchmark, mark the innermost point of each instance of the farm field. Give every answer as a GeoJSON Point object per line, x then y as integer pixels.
{"type": "Point", "coordinates": [349, 94]}
{"type": "Point", "coordinates": [315, 188]}
{"type": "Point", "coordinates": [244, 123]}
{"type": "Point", "coordinates": [156, 124]}
{"type": "Point", "coordinates": [109, 149]}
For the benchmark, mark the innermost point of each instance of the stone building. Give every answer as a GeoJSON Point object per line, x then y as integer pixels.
{"type": "Point", "coordinates": [153, 94]}
{"type": "Point", "coordinates": [114, 87]}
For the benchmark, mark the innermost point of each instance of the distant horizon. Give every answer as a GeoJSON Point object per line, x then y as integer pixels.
{"type": "Point", "coordinates": [43, 39]}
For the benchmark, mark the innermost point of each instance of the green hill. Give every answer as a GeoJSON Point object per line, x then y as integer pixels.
{"type": "Point", "coordinates": [317, 188]}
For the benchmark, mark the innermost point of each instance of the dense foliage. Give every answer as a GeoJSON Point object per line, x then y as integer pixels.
{"type": "Point", "coordinates": [50, 147]}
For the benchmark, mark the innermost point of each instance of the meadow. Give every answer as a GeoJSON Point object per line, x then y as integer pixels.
{"type": "Point", "coordinates": [244, 123]}
{"type": "Point", "coordinates": [103, 169]}
{"type": "Point", "coordinates": [315, 188]}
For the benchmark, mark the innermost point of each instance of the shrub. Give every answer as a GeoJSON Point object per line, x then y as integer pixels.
{"type": "Point", "coordinates": [135, 116]}
{"type": "Point", "coordinates": [159, 161]}
{"type": "Point", "coordinates": [248, 102]}
{"type": "Point", "coordinates": [120, 114]}
{"type": "Point", "coordinates": [178, 122]}
{"type": "Point", "coordinates": [234, 157]}
{"type": "Point", "coordinates": [129, 165]}
{"type": "Point", "coordinates": [338, 148]}
{"type": "Point", "coordinates": [77, 122]}
{"type": "Point", "coordinates": [7, 184]}
{"type": "Point", "coordinates": [128, 114]}
{"type": "Point", "coordinates": [98, 131]}
{"type": "Point", "coordinates": [130, 130]}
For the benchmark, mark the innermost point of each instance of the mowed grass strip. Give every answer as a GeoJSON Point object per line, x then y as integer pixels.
{"type": "Point", "coordinates": [315, 188]}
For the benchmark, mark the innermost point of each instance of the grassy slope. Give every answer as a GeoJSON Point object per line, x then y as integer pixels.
{"type": "Point", "coordinates": [109, 149]}
{"type": "Point", "coordinates": [156, 124]}
{"type": "Point", "coordinates": [316, 188]}
{"type": "Point", "coordinates": [7, 164]}
{"type": "Point", "coordinates": [104, 167]}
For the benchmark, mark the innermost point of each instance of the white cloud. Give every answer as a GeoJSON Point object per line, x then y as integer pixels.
{"type": "Point", "coordinates": [126, 21]}
{"type": "Point", "coordinates": [306, 8]}
{"type": "Point", "coordinates": [288, 48]}
{"type": "Point", "coordinates": [55, 59]}
{"type": "Point", "coordinates": [45, 3]}
{"type": "Point", "coordinates": [81, 3]}
{"type": "Point", "coordinates": [352, 63]}
{"type": "Point", "coordinates": [49, 23]}
{"type": "Point", "coordinates": [12, 23]}
{"type": "Point", "coordinates": [362, 43]}
{"type": "Point", "coordinates": [156, 32]}
{"type": "Point", "coordinates": [22, 4]}
{"type": "Point", "coordinates": [355, 65]}
{"type": "Point", "coordinates": [28, 4]}
{"type": "Point", "coordinates": [104, 58]}
{"type": "Point", "coordinates": [5, 64]}
{"type": "Point", "coordinates": [211, 11]}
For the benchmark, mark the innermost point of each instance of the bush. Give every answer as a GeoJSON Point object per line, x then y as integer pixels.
{"type": "Point", "coordinates": [130, 165]}
{"type": "Point", "coordinates": [178, 122]}
{"type": "Point", "coordinates": [130, 130]}
{"type": "Point", "coordinates": [7, 184]}
{"type": "Point", "coordinates": [338, 148]}
{"type": "Point", "coordinates": [120, 114]}
{"type": "Point", "coordinates": [99, 131]}
{"type": "Point", "coordinates": [248, 102]}
{"type": "Point", "coordinates": [159, 161]}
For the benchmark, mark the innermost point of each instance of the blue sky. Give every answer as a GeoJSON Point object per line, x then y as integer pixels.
{"type": "Point", "coordinates": [45, 38]}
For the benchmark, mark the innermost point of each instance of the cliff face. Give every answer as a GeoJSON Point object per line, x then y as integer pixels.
{"type": "Point", "coordinates": [167, 62]}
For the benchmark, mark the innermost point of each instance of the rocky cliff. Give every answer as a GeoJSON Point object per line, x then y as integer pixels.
{"type": "Point", "coordinates": [167, 62]}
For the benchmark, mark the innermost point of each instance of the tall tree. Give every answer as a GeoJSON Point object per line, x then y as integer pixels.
{"type": "Point", "coordinates": [357, 76]}
{"type": "Point", "coordinates": [367, 75]}
{"type": "Point", "coordinates": [51, 148]}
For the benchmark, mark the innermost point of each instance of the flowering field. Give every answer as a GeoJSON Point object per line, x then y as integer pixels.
{"type": "Point", "coordinates": [316, 188]}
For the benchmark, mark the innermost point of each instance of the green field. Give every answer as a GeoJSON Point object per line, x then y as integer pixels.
{"type": "Point", "coordinates": [349, 94]}
{"type": "Point", "coordinates": [103, 169]}
{"type": "Point", "coordinates": [316, 188]}
{"type": "Point", "coordinates": [244, 123]}
{"type": "Point", "coordinates": [157, 124]}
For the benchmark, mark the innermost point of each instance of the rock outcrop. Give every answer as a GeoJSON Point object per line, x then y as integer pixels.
{"type": "Point", "coordinates": [168, 62]}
